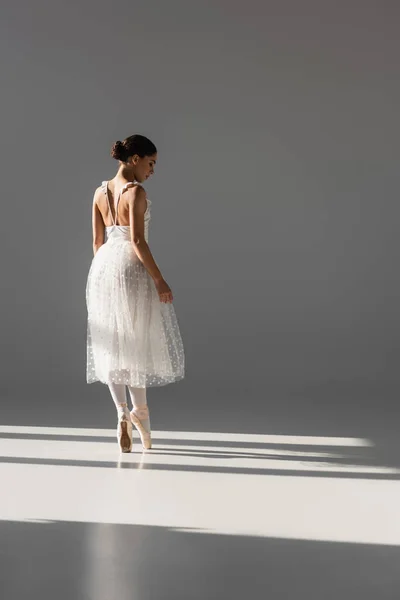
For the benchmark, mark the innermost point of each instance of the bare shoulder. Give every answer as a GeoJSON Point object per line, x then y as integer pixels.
{"type": "Point", "coordinates": [134, 187]}
{"type": "Point", "coordinates": [136, 196]}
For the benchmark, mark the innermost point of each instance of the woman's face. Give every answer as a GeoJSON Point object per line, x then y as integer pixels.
{"type": "Point", "coordinates": [144, 167]}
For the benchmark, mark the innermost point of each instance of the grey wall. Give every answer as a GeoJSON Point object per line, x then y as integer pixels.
{"type": "Point", "coordinates": [275, 201]}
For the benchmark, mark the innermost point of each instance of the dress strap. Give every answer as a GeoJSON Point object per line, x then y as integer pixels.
{"type": "Point", "coordinates": [105, 188]}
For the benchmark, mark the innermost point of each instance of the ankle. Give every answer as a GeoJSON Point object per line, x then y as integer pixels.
{"type": "Point", "coordinates": [122, 409]}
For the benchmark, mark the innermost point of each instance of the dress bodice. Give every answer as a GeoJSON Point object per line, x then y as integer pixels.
{"type": "Point", "coordinates": [117, 231]}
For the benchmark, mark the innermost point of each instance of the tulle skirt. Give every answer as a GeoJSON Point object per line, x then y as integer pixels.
{"type": "Point", "coordinates": [132, 337]}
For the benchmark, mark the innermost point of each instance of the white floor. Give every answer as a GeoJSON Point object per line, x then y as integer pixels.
{"type": "Point", "coordinates": [312, 514]}
{"type": "Point", "coordinates": [233, 484]}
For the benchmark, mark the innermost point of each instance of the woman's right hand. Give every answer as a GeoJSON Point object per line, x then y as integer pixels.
{"type": "Point", "coordinates": [164, 291]}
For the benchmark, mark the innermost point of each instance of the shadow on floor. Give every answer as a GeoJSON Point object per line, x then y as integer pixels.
{"type": "Point", "coordinates": [88, 561]}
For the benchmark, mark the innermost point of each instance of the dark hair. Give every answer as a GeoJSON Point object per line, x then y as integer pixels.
{"type": "Point", "coordinates": [134, 144]}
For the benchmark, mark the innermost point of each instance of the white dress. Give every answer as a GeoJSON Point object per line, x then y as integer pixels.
{"type": "Point", "coordinates": [132, 337]}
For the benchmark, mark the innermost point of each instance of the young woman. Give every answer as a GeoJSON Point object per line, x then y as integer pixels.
{"type": "Point", "coordinates": [133, 336]}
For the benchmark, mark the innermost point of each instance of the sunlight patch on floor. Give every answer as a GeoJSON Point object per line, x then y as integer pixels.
{"type": "Point", "coordinates": [193, 435]}
{"type": "Point", "coordinates": [224, 484]}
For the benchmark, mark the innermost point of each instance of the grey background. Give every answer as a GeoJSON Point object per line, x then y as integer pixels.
{"type": "Point", "coordinates": [274, 217]}
{"type": "Point", "coordinates": [275, 198]}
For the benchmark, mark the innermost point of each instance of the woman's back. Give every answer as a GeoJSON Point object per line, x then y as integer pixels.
{"type": "Point", "coordinates": [113, 203]}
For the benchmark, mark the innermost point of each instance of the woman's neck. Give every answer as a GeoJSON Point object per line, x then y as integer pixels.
{"type": "Point", "coordinates": [125, 173]}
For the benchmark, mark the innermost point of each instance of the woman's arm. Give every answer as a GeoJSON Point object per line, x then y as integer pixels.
{"type": "Point", "coordinates": [137, 208]}
{"type": "Point", "coordinates": [97, 226]}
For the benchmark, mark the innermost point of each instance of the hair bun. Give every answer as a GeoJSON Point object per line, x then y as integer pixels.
{"type": "Point", "coordinates": [134, 144]}
{"type": "Point", "coordinates": [118, 150]}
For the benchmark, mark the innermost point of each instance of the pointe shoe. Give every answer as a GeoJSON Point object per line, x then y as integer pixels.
{"type": "Point", "coordinates": [138, 414]}
{"type": "Point", "coordinates": [124, 433]}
